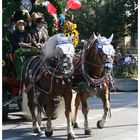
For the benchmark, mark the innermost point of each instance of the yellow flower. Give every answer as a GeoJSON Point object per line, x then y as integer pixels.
{"type": "Point", "coordinates": [69, 28]}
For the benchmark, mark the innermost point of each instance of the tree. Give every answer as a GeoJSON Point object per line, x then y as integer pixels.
{"type": "Point", "coordinates": [132, 15]}
{"type": "Point", "coordinates": [106, 17]}
{"type": "Point", "coordinates": [109, 16]}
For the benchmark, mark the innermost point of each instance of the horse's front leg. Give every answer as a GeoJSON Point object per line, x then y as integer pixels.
{"type": "Point", "coordinates": [49, 114]}
{"type": "Point", "coordinates": [36, 126]}
{"type": "Point", "coordinates": [39, 117]}
{"type": "Point", "coordinates": [68, 99]}
{"type": "Point", "coordinates": [33, 110]}
{"type": "Point", "coordinates": [85, 110]}
{"type": "Point", "coordinates": [106, 106]}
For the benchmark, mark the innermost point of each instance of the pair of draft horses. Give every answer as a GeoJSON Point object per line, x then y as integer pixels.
{"type": "Point", "coordinates": [58, 71]}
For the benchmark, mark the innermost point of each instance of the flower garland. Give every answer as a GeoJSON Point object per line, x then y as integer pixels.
{"type": "Point", "coordinates": [69, 28]}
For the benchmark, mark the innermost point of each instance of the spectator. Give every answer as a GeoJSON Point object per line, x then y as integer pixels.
{"type": "Point", "coordinates": [127, 59]}
{"type": "Point", "coordinates": [32, 20]}
{"type": "Point", "coordinates": [21, 46]}
{"type": "Point", "coordinates": [17, 15]}
{"type": "Point", "coordinates": [40, 33]}
{"type": "Point", "coordinates": [20, 37]}
{"type": "Point", "coordinates": [38, 6]}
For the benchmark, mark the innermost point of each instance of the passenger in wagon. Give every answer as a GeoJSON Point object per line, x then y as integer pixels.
{"type": "Point", "coordinates": [39, 33]}
{"type": "Point", "coordinates": [21, 47]}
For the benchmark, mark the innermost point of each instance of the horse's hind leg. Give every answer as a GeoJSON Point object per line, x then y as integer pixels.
{"type": "Point", "coordinates": [85, 110]}
{"type": "Point", "coordinates": [49, 113]}
{"type": "Point", "coordinates": [106, 106]}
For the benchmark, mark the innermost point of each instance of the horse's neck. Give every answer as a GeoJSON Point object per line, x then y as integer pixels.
{"type": "Point", "coordinates": [77, 67]}
{"type": "Point", "coordinates": [77, 61]}
{"type": "Point", "coordinates": [92, 66]}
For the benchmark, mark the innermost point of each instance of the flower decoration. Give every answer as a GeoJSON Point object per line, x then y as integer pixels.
{"type": "Point", "coordinates": [69, 28]}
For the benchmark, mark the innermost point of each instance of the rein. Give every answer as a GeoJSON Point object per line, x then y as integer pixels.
{"type": "Point", "coordinates": [52, 71]}
{"type": "Point", "coordinates": [40, 69]}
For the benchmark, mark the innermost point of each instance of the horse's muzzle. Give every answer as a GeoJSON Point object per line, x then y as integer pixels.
{"type": "Point", "coordinates": [67, 67]}
{"type": "Point", "coordinates": [108, 65]}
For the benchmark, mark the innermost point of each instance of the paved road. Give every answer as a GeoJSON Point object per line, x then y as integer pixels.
{"type": "Point", "coordinates": [122, 126]}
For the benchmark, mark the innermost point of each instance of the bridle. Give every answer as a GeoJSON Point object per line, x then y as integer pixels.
{"type": "Point", "coordinates": [99, 52]}
{"type": "Point", "coordinates": [55, 71]}
{"type": "Point", "coordinates": [94, 81]}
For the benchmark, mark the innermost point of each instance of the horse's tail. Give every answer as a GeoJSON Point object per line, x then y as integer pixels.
{"type": "Point", "coordinates": [25, 108]}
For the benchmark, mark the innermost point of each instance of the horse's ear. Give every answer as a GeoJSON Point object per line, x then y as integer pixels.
{"type": "Point", "coordinates": [110, 38]}
{"type": "Point", "coordinates": [99, 36]}
{"type": "Point", "coordinates": [94, 35]}
{"type": "Point", "coordinates": [71, 37]}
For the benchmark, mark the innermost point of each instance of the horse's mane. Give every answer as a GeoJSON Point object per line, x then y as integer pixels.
{"type": "Point", "coordinates": [49, 47]}
{"type": "Point", "coordinates": [53, 45]}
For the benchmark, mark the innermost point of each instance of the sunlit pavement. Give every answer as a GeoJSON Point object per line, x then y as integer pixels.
{"type": "Point", "coordinates": [123, 125]}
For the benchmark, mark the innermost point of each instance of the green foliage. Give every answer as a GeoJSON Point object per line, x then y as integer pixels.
{"type": "Point", "coordinates": [8, 8]}
{"type": "Point", "coordinates": [111, 16]}
{"type": "Point", "coordinates": [125, 70]}
{"type": "Point", "coordinates": [106, 17]}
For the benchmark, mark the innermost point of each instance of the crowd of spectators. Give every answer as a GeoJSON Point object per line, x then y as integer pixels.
{"type": "Point", "coordinates": [28, 31]}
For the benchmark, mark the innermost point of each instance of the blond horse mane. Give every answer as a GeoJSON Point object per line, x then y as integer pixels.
{"type": "Point", "coordinates": [49, 47]}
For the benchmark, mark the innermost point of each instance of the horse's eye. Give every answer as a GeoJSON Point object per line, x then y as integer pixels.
{"type": "Point", "coordinates": [101, 51]}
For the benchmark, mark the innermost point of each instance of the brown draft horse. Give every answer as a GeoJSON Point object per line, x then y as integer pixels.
{"type": "Point", "coordinates": [92, 75]}
{"type": "Point", "coordinates": [47, 77]}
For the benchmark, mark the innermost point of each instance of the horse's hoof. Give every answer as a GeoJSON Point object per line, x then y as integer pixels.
{"type": "Point", "coordinates": [75, 125]}
{"type": "Point", "coordinates": [88, 132]}
{"type": "Point", "coordinates": [71, 136]}
{"type": "Point", "coordinates": [100, 124]}
{"type": "Point", "coordinates": [48, 134]}
{"type": "Point", "coordinates": [37, 130]}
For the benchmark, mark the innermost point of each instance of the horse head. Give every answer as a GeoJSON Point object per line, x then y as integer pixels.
{"type": "Point", "coordinates": [59, 51]}
{"type": "Point", "coordinates": [99, 55]}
